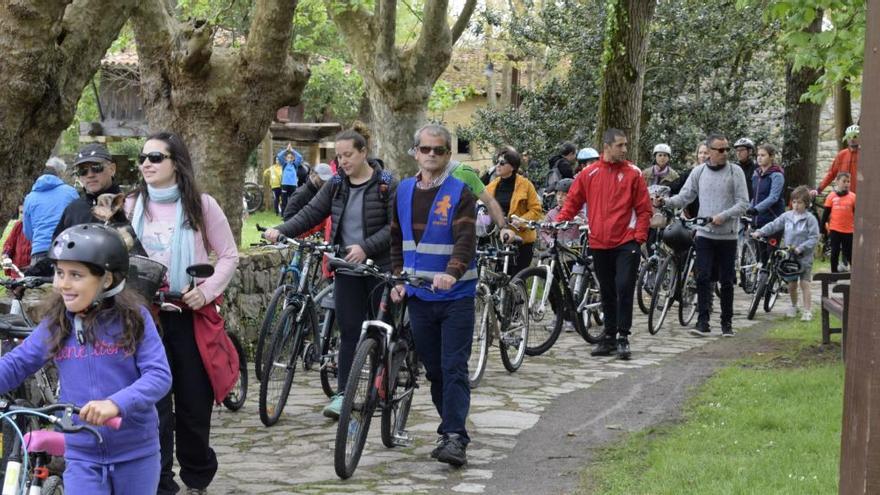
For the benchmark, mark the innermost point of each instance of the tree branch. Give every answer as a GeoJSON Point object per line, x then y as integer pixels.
{"type": "Point", "coordinates": [154, 31]}
{"type": "Point", "coordinates": [435, 37]}
{"type": "Point", "coordinates": [199, 46]}
{"type": "Point", "coordinates": [463, 19]}
{"type": "Point", "coordinates": [358, 27]}
{"type": "Point", "coordinates": [387, 24]}
{"type": "Point", "coordinates": [271, 30]}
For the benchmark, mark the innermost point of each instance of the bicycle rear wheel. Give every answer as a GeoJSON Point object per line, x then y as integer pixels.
{"type": "Point", "coordinates": [758, 296]}
{"type": "Point", "coordinates": [541, 337]}
{"type": "Point", "coordinates": [591, 309]}
{"type": "Point", "coordinates": [357, 408]}
{"type": "Point", "coordinates": [514, 338]}
{"type": "Point", "coordinates": [237, 396]}
{"type": "Point", "coordinates": [645, 283]}
{"type": "Point", "coordinates": [281, 365]}
{"type": "Point", "coordinates": [748, 267]}
{"type": "Point", "coordinates": [267, 328]}
{"type": "Point", "coordinates": [773, 287]}
{"type": "Point", "coordinates": [483, 324]}
{"type": "Point", "coordinates": [329, 351]}
{"type": "Point", "coordinates": [687, 305]}
{"type": "Point", "coordinates": [253, 196]}
{"type": "Point", "coordinates": [664, 294]}
{"type": "Point", "coordinates": [400, 394]}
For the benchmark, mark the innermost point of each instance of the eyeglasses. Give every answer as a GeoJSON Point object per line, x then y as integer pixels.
{"type": "Point", "coordinates": [720, 150]}
{"type": "Point", "coordinates": [153, 156]}
{"type": "Point", "coordinates": [438, 150]}
{"type": "Point", "coordinates": [501, 162]}
{"type": "Point", "coordinates": [95, 168]}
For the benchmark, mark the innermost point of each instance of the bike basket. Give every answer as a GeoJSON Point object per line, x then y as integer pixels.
{"type": "Point", "coordinates": [145, 276]}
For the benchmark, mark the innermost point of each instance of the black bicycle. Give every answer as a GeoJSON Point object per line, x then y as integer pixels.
{"type": "Point", "coordinates": [384, 373]}
{"type": "Point", "coordinates": [770, 277]}
{"type": "Point", "coordinates": [567, 281]}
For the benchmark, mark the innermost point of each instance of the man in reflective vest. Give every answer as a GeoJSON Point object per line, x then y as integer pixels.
{"type": "Point", "coordinates": [433, 237]}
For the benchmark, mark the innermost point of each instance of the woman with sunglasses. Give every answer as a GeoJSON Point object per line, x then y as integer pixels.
{"type": "Point", "coordinates": [358, 200]}
{"type": "Point", "coordinates": [179, 227]}
{"type": "Point", "coordinates": [517, 196]}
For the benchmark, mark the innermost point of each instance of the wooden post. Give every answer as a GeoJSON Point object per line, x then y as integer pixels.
{"type": "Point", "coordinates": [267, 158]}
{"type": "Point", "coordinates": [860, 445]}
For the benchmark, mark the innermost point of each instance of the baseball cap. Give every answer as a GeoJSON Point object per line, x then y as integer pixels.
{"type": "Point", "coordinates": [324, 171]}
{"type": "Point", "coordinates": [91, 153]}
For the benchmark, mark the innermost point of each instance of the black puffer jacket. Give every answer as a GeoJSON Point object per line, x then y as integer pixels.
{"type": "Point", "coordinates": [331, 200]}
{"type": "Point", "coordinates": [300, 198]}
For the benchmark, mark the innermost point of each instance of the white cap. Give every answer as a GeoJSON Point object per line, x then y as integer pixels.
{"type": "Point", "coordinates": [324, 171]}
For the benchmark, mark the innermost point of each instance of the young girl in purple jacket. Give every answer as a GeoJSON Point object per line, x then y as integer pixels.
{"type": "Point", "coordinates": [110, 362]}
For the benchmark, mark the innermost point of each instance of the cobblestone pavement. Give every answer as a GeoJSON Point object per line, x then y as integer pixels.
{"type": "Point", "coordinates": [296, 455]}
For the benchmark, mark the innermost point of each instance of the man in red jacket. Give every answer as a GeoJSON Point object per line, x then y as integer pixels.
{"type": "Point", "coordinates": [619, 213]}
{"type": "Point", "coordinates": [847, 160]}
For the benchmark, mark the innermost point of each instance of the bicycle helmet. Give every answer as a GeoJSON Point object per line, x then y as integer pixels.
{"type": "Point", "coordinates": [790, 269]}
{"type": "Point", "coordinates": [97, 245]}
{"type": "Point", "coordinates": [744, 143]}
{"type": "Point", "coordinates": [587, 154]}
{"type": "Point", "coordinates": [678, 237]}
{"type": "Point", "coordinates": [662, 148]}
{"type": "Point", "coordinates": [851, 132]}
{"type": "Point", "coordinates": [563, 185]}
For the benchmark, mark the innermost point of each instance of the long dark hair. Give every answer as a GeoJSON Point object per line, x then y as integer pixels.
{"type": "Point", "coordinates": [126, 306]}
{"type": "Point", "coordinates": [190, 194]}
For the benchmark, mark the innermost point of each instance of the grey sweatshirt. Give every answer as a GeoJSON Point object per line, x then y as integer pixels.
{"type": "Point", "coordinates": [721, 192]}
{"type": "Point", "coordinates": [800, 231]}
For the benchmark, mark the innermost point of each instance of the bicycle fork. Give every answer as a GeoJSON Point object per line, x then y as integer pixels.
{"type": "Point", "coordinates": [538, 310]}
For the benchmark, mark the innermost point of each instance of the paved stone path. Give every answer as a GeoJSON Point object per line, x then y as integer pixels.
{"type": "Point", "coordinates": [296, 455]}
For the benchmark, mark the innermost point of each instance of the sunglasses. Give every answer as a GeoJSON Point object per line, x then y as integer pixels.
{"type": "Point", "coordinates": [153, 156]}
{"type": "Point", "coordinates": [95, 168]}
{"type": "Point", "coordinates": [501, 162]}
{"type": "Point", "coordinates": [438, 150]}
{"type": "Point", "coordinates": [720, 150]}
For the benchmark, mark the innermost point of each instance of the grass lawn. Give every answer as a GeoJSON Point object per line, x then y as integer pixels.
{"type": "Point", "coordinates": [249, 234]}
{"type": "Point", "coordinates": [767, 424]}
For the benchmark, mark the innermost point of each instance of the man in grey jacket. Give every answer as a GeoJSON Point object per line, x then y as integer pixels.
{"type": "Point", "coordinates": [721, 188]}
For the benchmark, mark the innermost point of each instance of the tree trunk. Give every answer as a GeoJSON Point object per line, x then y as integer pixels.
{"type": "Point", "coordinates": [398, 81]}
{"type": "Point", "coordinates": [800, 133]}
{"type": "Point", "coordinates": [842, 112]}
{"type": "Point", "coordinates": [50, 50]}
{"type": "Point", "coordinates": [221, 101]}
{"type": "Point", "coordinates": [626, 49]}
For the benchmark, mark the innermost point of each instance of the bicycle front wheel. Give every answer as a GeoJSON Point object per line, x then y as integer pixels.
{"type": "Point", "coordinates": [268, 326]}
{"type": "Point", "coordinates": [482, 335]}
{"type": "Point", "coordinates": [515, 336]}
{"type": "Point", "coordinates": [541, 337]}
{"type": "Point", "coordinates": [591, 309]}
{"type": "Point", "coordinates": [281, 365]}
{"type": "Point", "coordinates": [773, 287]}
{"type": "Point", "coordinates": [357, 408]}
{"type": "Point", "coordinates": [748, 267]}
{"type": "Point", "coordinates": [645, 283]}
{"type": "Point", "coordinates": [400, 394]}
{"type": "Point", "coordinates": [253, 196]}
{"type": "Point", "coordinates": [664, 294]}
{"type": "Point", "coordinates": [237, 396]}
{"type": "Point", "coordinates": [758, 296]}
{"type": "Point", "coordinates": [687, 305]}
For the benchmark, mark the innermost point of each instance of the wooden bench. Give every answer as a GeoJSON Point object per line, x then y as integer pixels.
{"type": "Point", "coordinates": [835, 301]}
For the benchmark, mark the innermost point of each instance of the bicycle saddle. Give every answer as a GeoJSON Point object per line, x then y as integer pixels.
{"type": "Point", "coordinates": [50, 442]}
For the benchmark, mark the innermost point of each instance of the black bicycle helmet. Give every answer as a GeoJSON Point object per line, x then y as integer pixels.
{"type": "Point", "coordinates": [563, 185]}
{"type": "Point", "coordinates": [94, 244]}
{"type": "Point", "coordinates": [790, 269]}
{"type": "Point", "coordinates": [678, 237]}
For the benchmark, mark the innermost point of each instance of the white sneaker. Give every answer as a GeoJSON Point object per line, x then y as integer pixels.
{"type": "Point", "coordinates": [807, 316]}
{"type": "Point", "coordinates": [792, 312]}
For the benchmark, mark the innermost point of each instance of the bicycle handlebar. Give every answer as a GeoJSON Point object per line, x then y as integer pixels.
{"type": "Point", "coordinates": [64, 423]}
{"type": "Point", "coordinates": [318, 246]}
{"type": "Point", "coordinates": [26, 282]}
{"type": "Point", "coordinates": [372, 270]}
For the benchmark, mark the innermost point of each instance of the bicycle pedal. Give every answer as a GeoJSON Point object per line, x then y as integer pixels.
{"type": "Point", "coordinates": [402, 439]}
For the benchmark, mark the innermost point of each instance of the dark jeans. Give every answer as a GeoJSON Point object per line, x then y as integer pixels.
{"type": "Point", "coordinates": [276, 194]}
{"type": "Point", "coordinates": [716, 262]}
{"type": "Point", "coordinates": [839, 241]}
{"type": "Point", "coordinates": [286, 193]}
{"type": "Point", "coordinates": [443, 332]}
{"type": "Point", "coordinates": [187, 420]}
{"type": "Point", "coordinates": [523, 259]}
{"type": "Point", "coordinates": [351, 295]}
{"type": "Point", "coordinates": [617, 270]}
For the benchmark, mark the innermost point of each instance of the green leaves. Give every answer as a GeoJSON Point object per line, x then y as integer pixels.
{"type": "Point", "coordinates": [335, 89]}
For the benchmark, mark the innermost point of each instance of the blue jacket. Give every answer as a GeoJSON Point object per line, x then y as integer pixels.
{"type": "Point", "coordinates": [289, 168]}
{"type": "Point", "coordinates": [97, 372]}
{"type": "Point", "coordinates": [431, 255]}
{"type": "Point", "coordinates": [768, 198]}
{"type": "Point", "coordinates": [43, 208]}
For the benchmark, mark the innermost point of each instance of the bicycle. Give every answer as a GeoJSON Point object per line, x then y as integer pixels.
{"type": "Point", "coordinates": [33, 451]}
{"type": "Point", "coordinates": [676, 276]}
{"type": "Point", "coordinates": [173, 301]}
{"type": "Point", "coordinates": [746, 257]}
{"type": "Point", "coordinates": [253, 196]}
{"type": "Point", "coordinates": [384, 374]}
{"type": "Point", "coordinates": [501, 311]}
{"type": "Point", "coordinates": [650, 258]}
{"type": "Point", "coordinates": [297, 334]}
{"type": "Point", "coordinates": [570, 277]}
{"type": "Point", "coordinates": [770, 281]}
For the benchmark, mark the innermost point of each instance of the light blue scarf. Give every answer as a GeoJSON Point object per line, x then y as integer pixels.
{"type": "Point", "coordinates": [183, 242]}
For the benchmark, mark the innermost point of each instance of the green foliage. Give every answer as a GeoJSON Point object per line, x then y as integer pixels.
{"type": "Point", "coordinates": [335, 88]}
{"type": "Point", "coordinates": [838, 49]}
{"type": "Point", "coordinates": [444, 97]}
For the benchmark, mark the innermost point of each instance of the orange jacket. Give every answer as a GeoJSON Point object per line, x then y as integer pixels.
{"type": "Point", "coordinates": [847, 160]}
{"type": "Point", "coordinates": [618, 206]}
{"type": "Point", "coordinates": [524, 203]}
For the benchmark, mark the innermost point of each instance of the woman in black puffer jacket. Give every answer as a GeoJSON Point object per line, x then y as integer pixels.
{"type": "Point", "coordinates": [359, 201]}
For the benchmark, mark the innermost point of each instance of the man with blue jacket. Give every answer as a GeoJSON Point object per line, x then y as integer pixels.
{"type": "Point", "coordinates": [433, 236]}
{"type": "Point", "coordinates": [290, 160]}
{"type": "Point", "coordinates": [43, 208]}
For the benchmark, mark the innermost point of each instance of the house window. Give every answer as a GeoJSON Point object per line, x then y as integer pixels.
{"type": "Point", "coordinates": [463, 146]}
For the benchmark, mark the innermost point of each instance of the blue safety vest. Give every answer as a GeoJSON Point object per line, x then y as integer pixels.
{"type": "Point", "coordinates": [431, 255]}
